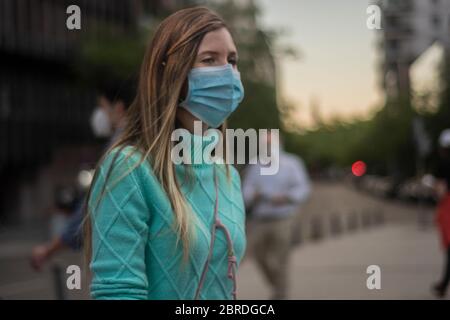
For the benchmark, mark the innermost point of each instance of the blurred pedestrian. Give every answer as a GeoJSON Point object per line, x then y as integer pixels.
{"type": "Point", "coordinates": [107, 121]}
{"type": "Point", "coordinates": [109, 117]}
{"type": "Point", "coordinates": [442, 186]}
{"type": "Point", "coordinates": [66, 200]}
{"type": "Point", "coordinates": [273, 202]}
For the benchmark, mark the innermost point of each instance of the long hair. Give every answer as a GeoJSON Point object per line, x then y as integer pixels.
{"type": "Point", "coordinates": [151, 117]}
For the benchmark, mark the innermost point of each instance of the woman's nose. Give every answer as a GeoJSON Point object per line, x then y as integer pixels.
{"type": "Point", "coordinates": [222, 61]}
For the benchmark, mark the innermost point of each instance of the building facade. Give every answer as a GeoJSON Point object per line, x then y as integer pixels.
{"type": "Point", "coordinates": [410, 27]}
{"type": "Point", "coordinates": [44, 110]}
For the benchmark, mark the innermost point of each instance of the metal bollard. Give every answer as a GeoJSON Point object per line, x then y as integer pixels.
{"type": "Point", "coordinates": [374, 217]}
{"type": "Point", "coordinates": [297, 233]}
{"type": "Point", "coordinates": [366, 221]}
{"type": "Point", "coordinates": [336, 227]}
{"type": "Point", "coordinates": [352, 219]}
{"type": "Point", "coordinates": [58, 282]}
{"type": "Point", "coordinates": [316, 228]}
{"type": "Point", "coordinates": [379, 217]}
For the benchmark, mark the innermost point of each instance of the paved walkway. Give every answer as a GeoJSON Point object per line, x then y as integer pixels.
{"type": "Point", "coordinates": [409, 257]}
{"type": "Point", "coordinates": [332, 268]}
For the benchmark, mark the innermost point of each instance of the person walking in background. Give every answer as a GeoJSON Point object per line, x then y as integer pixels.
{"type": "Point", "coordinates": [442, 186]}
{"type": "Point", "coordinates": [107, 121]}
{"type": "Point", "coordinates": [109, 116]}
{"type": "Point", "coordinates": [273, 202]}
{"type": "Point", "coordinates": [66, 201]}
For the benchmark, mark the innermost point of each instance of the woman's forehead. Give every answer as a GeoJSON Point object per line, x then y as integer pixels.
{"type": "Point", "coordinates": [217, 41]}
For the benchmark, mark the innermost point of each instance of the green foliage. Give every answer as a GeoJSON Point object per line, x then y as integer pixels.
{"type": "Point", "coordinates": [258, 109]}
{"type": "Point", "coordinates": [384, 142]}
{"type": "Point", "coordinates": [388, 146]}
{"type": "Point", "coordinates": [330, 145]}
{"type": "Point", "coordinates": [112, 57]}
{"type": "Point", "coordinates": [104, 55]}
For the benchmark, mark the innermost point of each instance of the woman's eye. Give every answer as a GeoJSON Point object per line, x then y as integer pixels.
{"type": "Point", "coordinates": [232, 61]}
{"type": "Point", "coordinates": [208, 60]}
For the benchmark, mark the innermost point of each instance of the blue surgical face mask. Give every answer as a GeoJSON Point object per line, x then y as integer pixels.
{"type": "Point", "coordinates": [213, 94]}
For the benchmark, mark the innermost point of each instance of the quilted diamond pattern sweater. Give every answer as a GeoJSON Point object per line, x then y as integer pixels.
{"type": "Point", "coordinates": [135, 255]}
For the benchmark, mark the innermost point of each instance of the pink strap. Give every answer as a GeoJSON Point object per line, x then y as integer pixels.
{"type": "Point", "coordinates": [232, 261]}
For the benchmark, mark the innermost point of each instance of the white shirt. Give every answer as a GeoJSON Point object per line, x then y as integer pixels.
{"type": "Point", "coordinates": [291, 181]}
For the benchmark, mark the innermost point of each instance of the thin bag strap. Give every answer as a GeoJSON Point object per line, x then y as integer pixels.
{"type": "Point", "coordinates": [232, 261]}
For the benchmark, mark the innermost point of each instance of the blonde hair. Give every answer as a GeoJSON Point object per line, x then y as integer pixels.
{"type": "Point", "coordinates": [152, 115]}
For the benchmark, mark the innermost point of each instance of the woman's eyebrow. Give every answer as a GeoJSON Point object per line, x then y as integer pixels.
{"type": "Point", "coordinates": [211, 52]}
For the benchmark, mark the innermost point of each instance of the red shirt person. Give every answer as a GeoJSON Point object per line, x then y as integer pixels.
{"type": "Point", "coordinates": [442, 187]}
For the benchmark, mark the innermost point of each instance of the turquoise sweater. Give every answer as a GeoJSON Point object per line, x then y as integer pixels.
{"type": "Point", "coordinates": [134, 252]}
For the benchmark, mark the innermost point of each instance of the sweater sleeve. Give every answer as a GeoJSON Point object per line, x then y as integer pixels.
{"type": "Point", "coordinates": [119, 224]}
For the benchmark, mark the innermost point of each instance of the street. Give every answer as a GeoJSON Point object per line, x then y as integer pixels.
{"type": "Point", "coordinates": [338, 239]}
{"type": "Point", "coordinates": [409, 258]}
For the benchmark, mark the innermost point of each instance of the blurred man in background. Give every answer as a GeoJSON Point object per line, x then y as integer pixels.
{"type": "Point", "coordinates": [107, 121]}
{"type": "Point", "coordinates": [109, 116]}
{"type": "Point", "coordinates": [273, 202]}
{"type": "Point", "coordinates": [66, 202]}
{"type": "Point", "coordinates": [442, 186]}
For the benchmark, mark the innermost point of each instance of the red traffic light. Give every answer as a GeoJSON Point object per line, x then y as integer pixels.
{"type": "Point", "coordinates": [359, 168]}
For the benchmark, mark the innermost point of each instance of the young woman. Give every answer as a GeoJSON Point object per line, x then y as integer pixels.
{"type": "Point", "coordinates": [159, 230]}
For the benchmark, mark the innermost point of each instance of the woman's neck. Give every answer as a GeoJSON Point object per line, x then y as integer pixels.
{"type": "Point", "coordinates": [186, 121]}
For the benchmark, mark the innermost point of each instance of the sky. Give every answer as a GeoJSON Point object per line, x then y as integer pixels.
{"type": "Point", "coordinates": [337, 68]}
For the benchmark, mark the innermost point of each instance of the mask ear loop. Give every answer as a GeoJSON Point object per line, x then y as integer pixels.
{"type": "Point", "coordinates": [232, 261]}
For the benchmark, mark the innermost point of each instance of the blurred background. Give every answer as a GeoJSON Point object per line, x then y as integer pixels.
{"type": "Point", "coordinates": [362, 107]}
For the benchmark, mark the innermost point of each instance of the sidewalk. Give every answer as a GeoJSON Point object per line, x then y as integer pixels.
{"type": "Point", "coordinates": [333, 267]}
{"type": "Point", "coordinates": [410, 260]}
